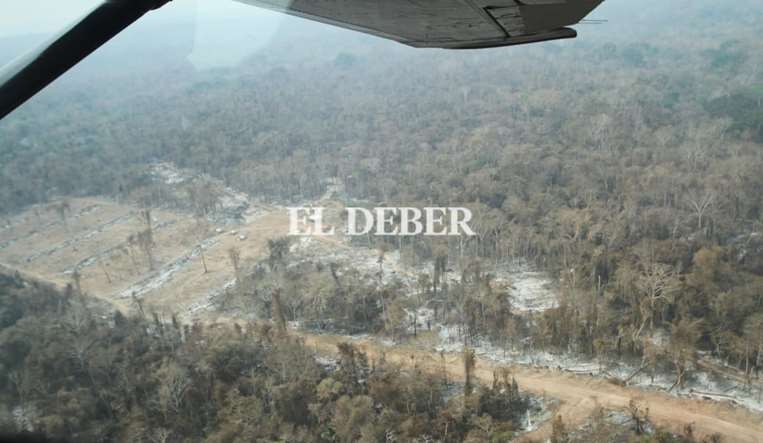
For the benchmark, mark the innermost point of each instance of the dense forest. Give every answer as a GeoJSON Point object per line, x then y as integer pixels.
{"type": "Point", "coordinates": [626, 166]}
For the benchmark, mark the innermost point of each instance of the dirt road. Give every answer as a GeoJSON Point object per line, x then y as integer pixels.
{"type": "Point", "coordinates": [579, 395]}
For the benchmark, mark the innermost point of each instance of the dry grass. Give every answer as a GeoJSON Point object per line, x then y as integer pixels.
{"type": "Point", "coordinates": [95, 238]}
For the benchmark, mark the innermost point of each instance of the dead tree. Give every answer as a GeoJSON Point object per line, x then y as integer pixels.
{"type": "Point", "coordinates": [278, 249]}
{"type": "Point", "coordinates": [201, 230]}
{"type": "Point", "coordinates": [62, 209]}
{"type": "Point", "coordinates": [700, 204]}
{"type": "Point", "coordinates": [234, 255]}
{"type": "Point", "coordinates": [469, 365]}
{"type": "Point", "coordinates": [380, 275]}
{"type": "Point", "coordinates": [105, 272]}
{"type": "Point", "coordinates": [77, 279]}
{"type": "Point", "coordinates": [657, 283]}
{"type": "Point", "coordinates": [145, 242]}
{"type": "Point", "coordinates": [682, 348]}
{"type": "Point", "coordinates": [145, 215]}
{"type": "Point", "coordinates": [639, 416]}
{"type": "Point", "coordinates": [173, 385]}
{"type": "Point", "coordinates": [278, 316]}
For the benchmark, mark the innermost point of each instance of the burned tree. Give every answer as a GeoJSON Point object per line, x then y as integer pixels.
{"type": "Point", "coordinates": [77, 280]}
{"type": "Point", "coordinates": [278, 315]}
{"type": "Point", "coordinates": [200, 232]}
{"type": "Point", "coordinates": [700, 203]}
{"type": "Point", "coordinates": [62, 209]}
{"type": "Point", "coordinates": [278, 250]}
{"type": "Point", "coordinates": [470, 363]}
{"type": "Point", "coordinates": [144, 242]}
{"type": "Point", "coordinates": [682, 349]}
{"type": "Point", "coordinates": [657, 283]}
{"type": "Point", "coordinates": [234, 256]}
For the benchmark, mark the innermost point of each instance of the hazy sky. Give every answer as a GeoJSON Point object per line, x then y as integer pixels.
{"type": "Point", "coordinates": [20, 17]}
{"type": "Point", "coordinates": [225, 31]}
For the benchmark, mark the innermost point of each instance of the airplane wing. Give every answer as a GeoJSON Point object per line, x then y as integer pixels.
{"type": "Point", "coordinates": [452, 24]}
{"type": "Point", "coordinates": [455, 24]}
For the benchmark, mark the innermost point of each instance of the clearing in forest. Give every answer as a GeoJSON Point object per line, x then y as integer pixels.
{"type": "Point", "coordinates": [96, 244]}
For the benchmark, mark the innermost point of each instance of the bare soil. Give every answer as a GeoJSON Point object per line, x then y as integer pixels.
{"type": "Point", "coordinates": [95, 243]}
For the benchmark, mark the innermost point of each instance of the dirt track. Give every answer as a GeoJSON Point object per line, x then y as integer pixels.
{"type": "Point", "coordinates": [579, 395]}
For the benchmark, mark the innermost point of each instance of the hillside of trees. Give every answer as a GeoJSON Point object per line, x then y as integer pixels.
{"type": "Point", "coordinates": [628, 168]}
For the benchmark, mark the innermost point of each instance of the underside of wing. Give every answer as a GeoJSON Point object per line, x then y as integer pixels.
{"type": "Point", "coordinates": [454, 24]}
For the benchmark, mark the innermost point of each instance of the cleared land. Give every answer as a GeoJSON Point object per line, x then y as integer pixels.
{"type": "Point", "coordinates": [93, 240]}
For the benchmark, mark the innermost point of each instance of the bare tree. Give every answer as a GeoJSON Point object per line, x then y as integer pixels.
{"type": "Point", "coordinates": [380, 275]}
{"type": "Point", "coordinates": [682, 348]}
{"type": "Point", "coordinates": [559, 433]}
{"type": "Point", "coordinates": [234, 255]}
{"type": "Point", "coordinates": [657, 283]}
{"type": "Point", "coordinates": [103, 269]}
{"type": "Point", "coordinates": [200, 231]}
{"type": "Point", "coordinates": [173, 385]}
{"type": "Point", "coordinates": [600, 129]}
{"type": "Point", "coordinates": [62, 209]}
{"type": "Point", "coordinates": [700, 203]}
{"type": "Point", "coordinates": [278, 250]}
{"type": "Point", "coordinates": [204, 197]}
{"type": "Point", "coordinates": [752, 347]}
{"type": "Point", "coordinates": [145, 215]}
{"type": "Point", "coordinates": [278, 316]}
{"type": "Point", "coordinates": [639, 415]}
{"type": "Point", "coordinates": [470, 363]}
{"type": "Point", "coordinates": [128, 249]}
{"type": "Point", "coordinates": [77, 279]}
{"type": "Point", "coordinates": [145, 242]}
{"type": "Point", "coordinates": [160, 435]}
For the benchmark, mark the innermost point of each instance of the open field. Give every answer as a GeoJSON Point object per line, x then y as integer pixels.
{"type": "Point", "coordinates": [93, 241]}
